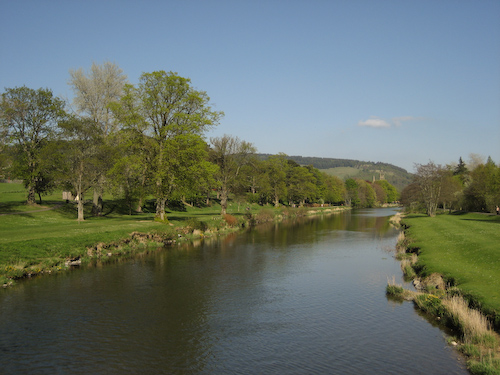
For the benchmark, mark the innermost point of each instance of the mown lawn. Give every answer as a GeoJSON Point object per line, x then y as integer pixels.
{"type": "Point", "coordinates": [462, 247]}
{"type": "Point", "coordinates": [32, 236]}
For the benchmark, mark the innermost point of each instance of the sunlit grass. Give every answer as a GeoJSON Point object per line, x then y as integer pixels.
{"type": "Point", "coordinates": [464, 248]}
{"type": "Point", "coordinates": [44, 237]}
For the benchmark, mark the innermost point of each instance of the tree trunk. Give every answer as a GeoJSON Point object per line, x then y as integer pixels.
{"type": "Point", "coordinates": [79, 193]}
{"type": "Point", "coordinates": [80, 206]}
{"type": "Point", "coordinates": [160, 208]}
{"type": "Point", "coordinates": [97, 199]}
{"type": "Point", "coordinates": [223, 201]}
{"type": "Point", "coordinates": [141, 194]}
{"type": "Point", "coordinates": [139, 205]}
{"type": "Point", "coordinates": [31, 194]}
{"type": "Point", "coordinates": [31, 182]}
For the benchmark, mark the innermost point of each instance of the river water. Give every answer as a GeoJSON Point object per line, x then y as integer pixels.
{"type": "Point", "coordinates": [305, 297]}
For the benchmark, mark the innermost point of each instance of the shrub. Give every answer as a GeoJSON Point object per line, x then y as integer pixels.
{"type": "Point", "coordinates": [230, 220]}
{"type": "Point", "coordinates": [394, 290]}
{"type": "Point", "coordinates": [265, 215]}
{"type": "Point", "coordinates": [194, 223]}
{"type": "Point", "coordinates": [430, 304]}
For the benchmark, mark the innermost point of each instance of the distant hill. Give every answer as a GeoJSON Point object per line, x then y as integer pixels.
{"type": "Point", "coordinates": [346, 168]}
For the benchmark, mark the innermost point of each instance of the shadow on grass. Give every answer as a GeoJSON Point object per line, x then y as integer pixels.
{"type": "Point", "coordinates": [487, 219]}
{"type": "Point", "coordinates": [21, 208]}
{"type": "Point", "coordinates": [11, 207]}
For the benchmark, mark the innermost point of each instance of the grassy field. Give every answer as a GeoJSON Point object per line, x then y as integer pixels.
{"type": "Point", "coordinates": [38, 238]}
{"type": "Point", "coordinates": [42, 238]}
{"type": "Point", "coordinates": [464, 248]}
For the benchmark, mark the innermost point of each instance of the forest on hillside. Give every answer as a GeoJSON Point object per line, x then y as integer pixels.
{"type": "Point", "coordinates": [348, 168]}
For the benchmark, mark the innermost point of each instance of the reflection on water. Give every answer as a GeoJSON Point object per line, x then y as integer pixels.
{"type": "Point", "coordinates": [305, 297]}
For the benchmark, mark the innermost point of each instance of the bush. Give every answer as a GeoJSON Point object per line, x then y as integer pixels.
{"type": "Point", "coordinates": [230, 220]}
{"type": "Point", "coordinates": [265, 215]}
{"type": "Point", "coordinates": [195, 224]}
{"type": "Point", "coordinates": [430, 304]}
{"type": "Point", "coordinates": [394, 290]}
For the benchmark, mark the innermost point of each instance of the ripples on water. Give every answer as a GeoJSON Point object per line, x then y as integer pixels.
{"type": "Point", "coordinates": [291, 299]}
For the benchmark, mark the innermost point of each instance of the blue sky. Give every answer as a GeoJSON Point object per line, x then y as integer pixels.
{"type": "Point", "coordinates": [401, 82]}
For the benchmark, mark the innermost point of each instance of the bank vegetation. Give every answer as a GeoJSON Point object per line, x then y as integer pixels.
{"type": "Point", "coordinates": [453, 261]}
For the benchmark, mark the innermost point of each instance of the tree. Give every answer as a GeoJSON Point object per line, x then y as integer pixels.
{"type": "Point", "coordinates": [95, 92]}
{"type": "Point", "coordinates": [30, 118]}
{"type": "Point", "coordinates": [411, 197]}
{"type": "Point", "coordinates": [82, 154]}
{"type": "Point", "coordinates": [230, 154]}
{"type": "Point", "coordinates": [351, 192]}
{"type": "Point", "coordinates": [274, 179]}
{"type": "Point", "coordinates": [451, 190]}
{"type": "Point", "coordinates": [483, 191]}
{"type": "Point", "coordinates": [175, 117]}
{"type": "Point", "coordinates": [379, 193]}
{"type": "Point", "coordinates": [429, 179]}
{"type": "Point", "coordinates": [334, 190]}
{"type": "Point", "coordinates": [131, 170]}
{"type": "Point", "coordinates": [300, 183]}
{"type": "Point", "coordinates": [390, 191]}
{"type": "Point", "coordinates": [366, 194]}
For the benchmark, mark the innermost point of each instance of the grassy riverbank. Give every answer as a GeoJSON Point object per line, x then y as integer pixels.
{"type": "Point", "coordinates": [457, 274]}
{"type": "Point", "coordinates": [48, 238]}
{"type": "Point", "coordinates": [464, 248]}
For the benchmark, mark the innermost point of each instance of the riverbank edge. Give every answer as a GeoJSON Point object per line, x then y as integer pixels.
{"type": "Point", "coordinates": [140, 243]}
{"type": "Point", "coordinates": [436, 298]}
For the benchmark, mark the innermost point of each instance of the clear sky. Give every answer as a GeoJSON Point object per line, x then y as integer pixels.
{"type": "Point", "coordinates": [396, 81]}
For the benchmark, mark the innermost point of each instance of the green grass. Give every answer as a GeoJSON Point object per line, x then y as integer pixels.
{"type": "Point", "coordinates": [34, 239]}
{"type": "Point", "coordinates": [464, 248]}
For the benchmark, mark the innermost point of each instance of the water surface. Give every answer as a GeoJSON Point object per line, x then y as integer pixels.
{"type": "Point", "coordinates": [306, 297]}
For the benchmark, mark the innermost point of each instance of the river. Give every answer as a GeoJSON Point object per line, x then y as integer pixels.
{"type": "Point", "coordinates": [303, 297]}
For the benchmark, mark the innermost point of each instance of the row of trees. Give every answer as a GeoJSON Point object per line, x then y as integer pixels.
{"type": "Point", "coordinates": [148, 140]}
{"type": "Point", "coordinates": [471, 187]}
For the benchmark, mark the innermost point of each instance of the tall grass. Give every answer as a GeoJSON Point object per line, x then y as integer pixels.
{"type": "Point", "coordinates": [473, 325]}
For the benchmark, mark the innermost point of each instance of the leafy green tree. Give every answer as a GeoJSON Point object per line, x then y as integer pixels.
{"type": "Point", "coordinates": [483, 191]}
{"type": "Point", "coordinates": [131, 173]}
{"type": "Point", "coordinates": [230, 154]}
{"type": "Point", "coordinates": [451, 191]}
{"type": "Point", "coordinates": [391, 192]}
{"type": "Point", "coordinates": [380, 193]}
{"type": "Point", "coordinates": [366, 194]}
{"type": "Point", "coordinates": [29, 119]}
{"type": "Point", "coordinates": [175, 117]}
{"type": "Point", "coordinates": [319, 182]}
{"type": "Point", "coordinates": [300, 184]}
{"type": "Point", "coordinates": [351, 192]}
{"type": "Point", "coordinates": [334, 190]}
{"type": "Point", "coordinates": [411, 198]}
{"type": "Point", "coordinates": [82, 153]}
{"type": "Point", "coordinates": [274, 178]}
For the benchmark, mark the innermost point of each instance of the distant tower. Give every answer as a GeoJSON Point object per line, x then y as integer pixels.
{"type": "Point", "coordinates": [382, 176]}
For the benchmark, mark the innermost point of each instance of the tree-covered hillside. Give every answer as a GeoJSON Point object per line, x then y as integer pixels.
{"type": "Point", "coordinates": [347, 168]}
